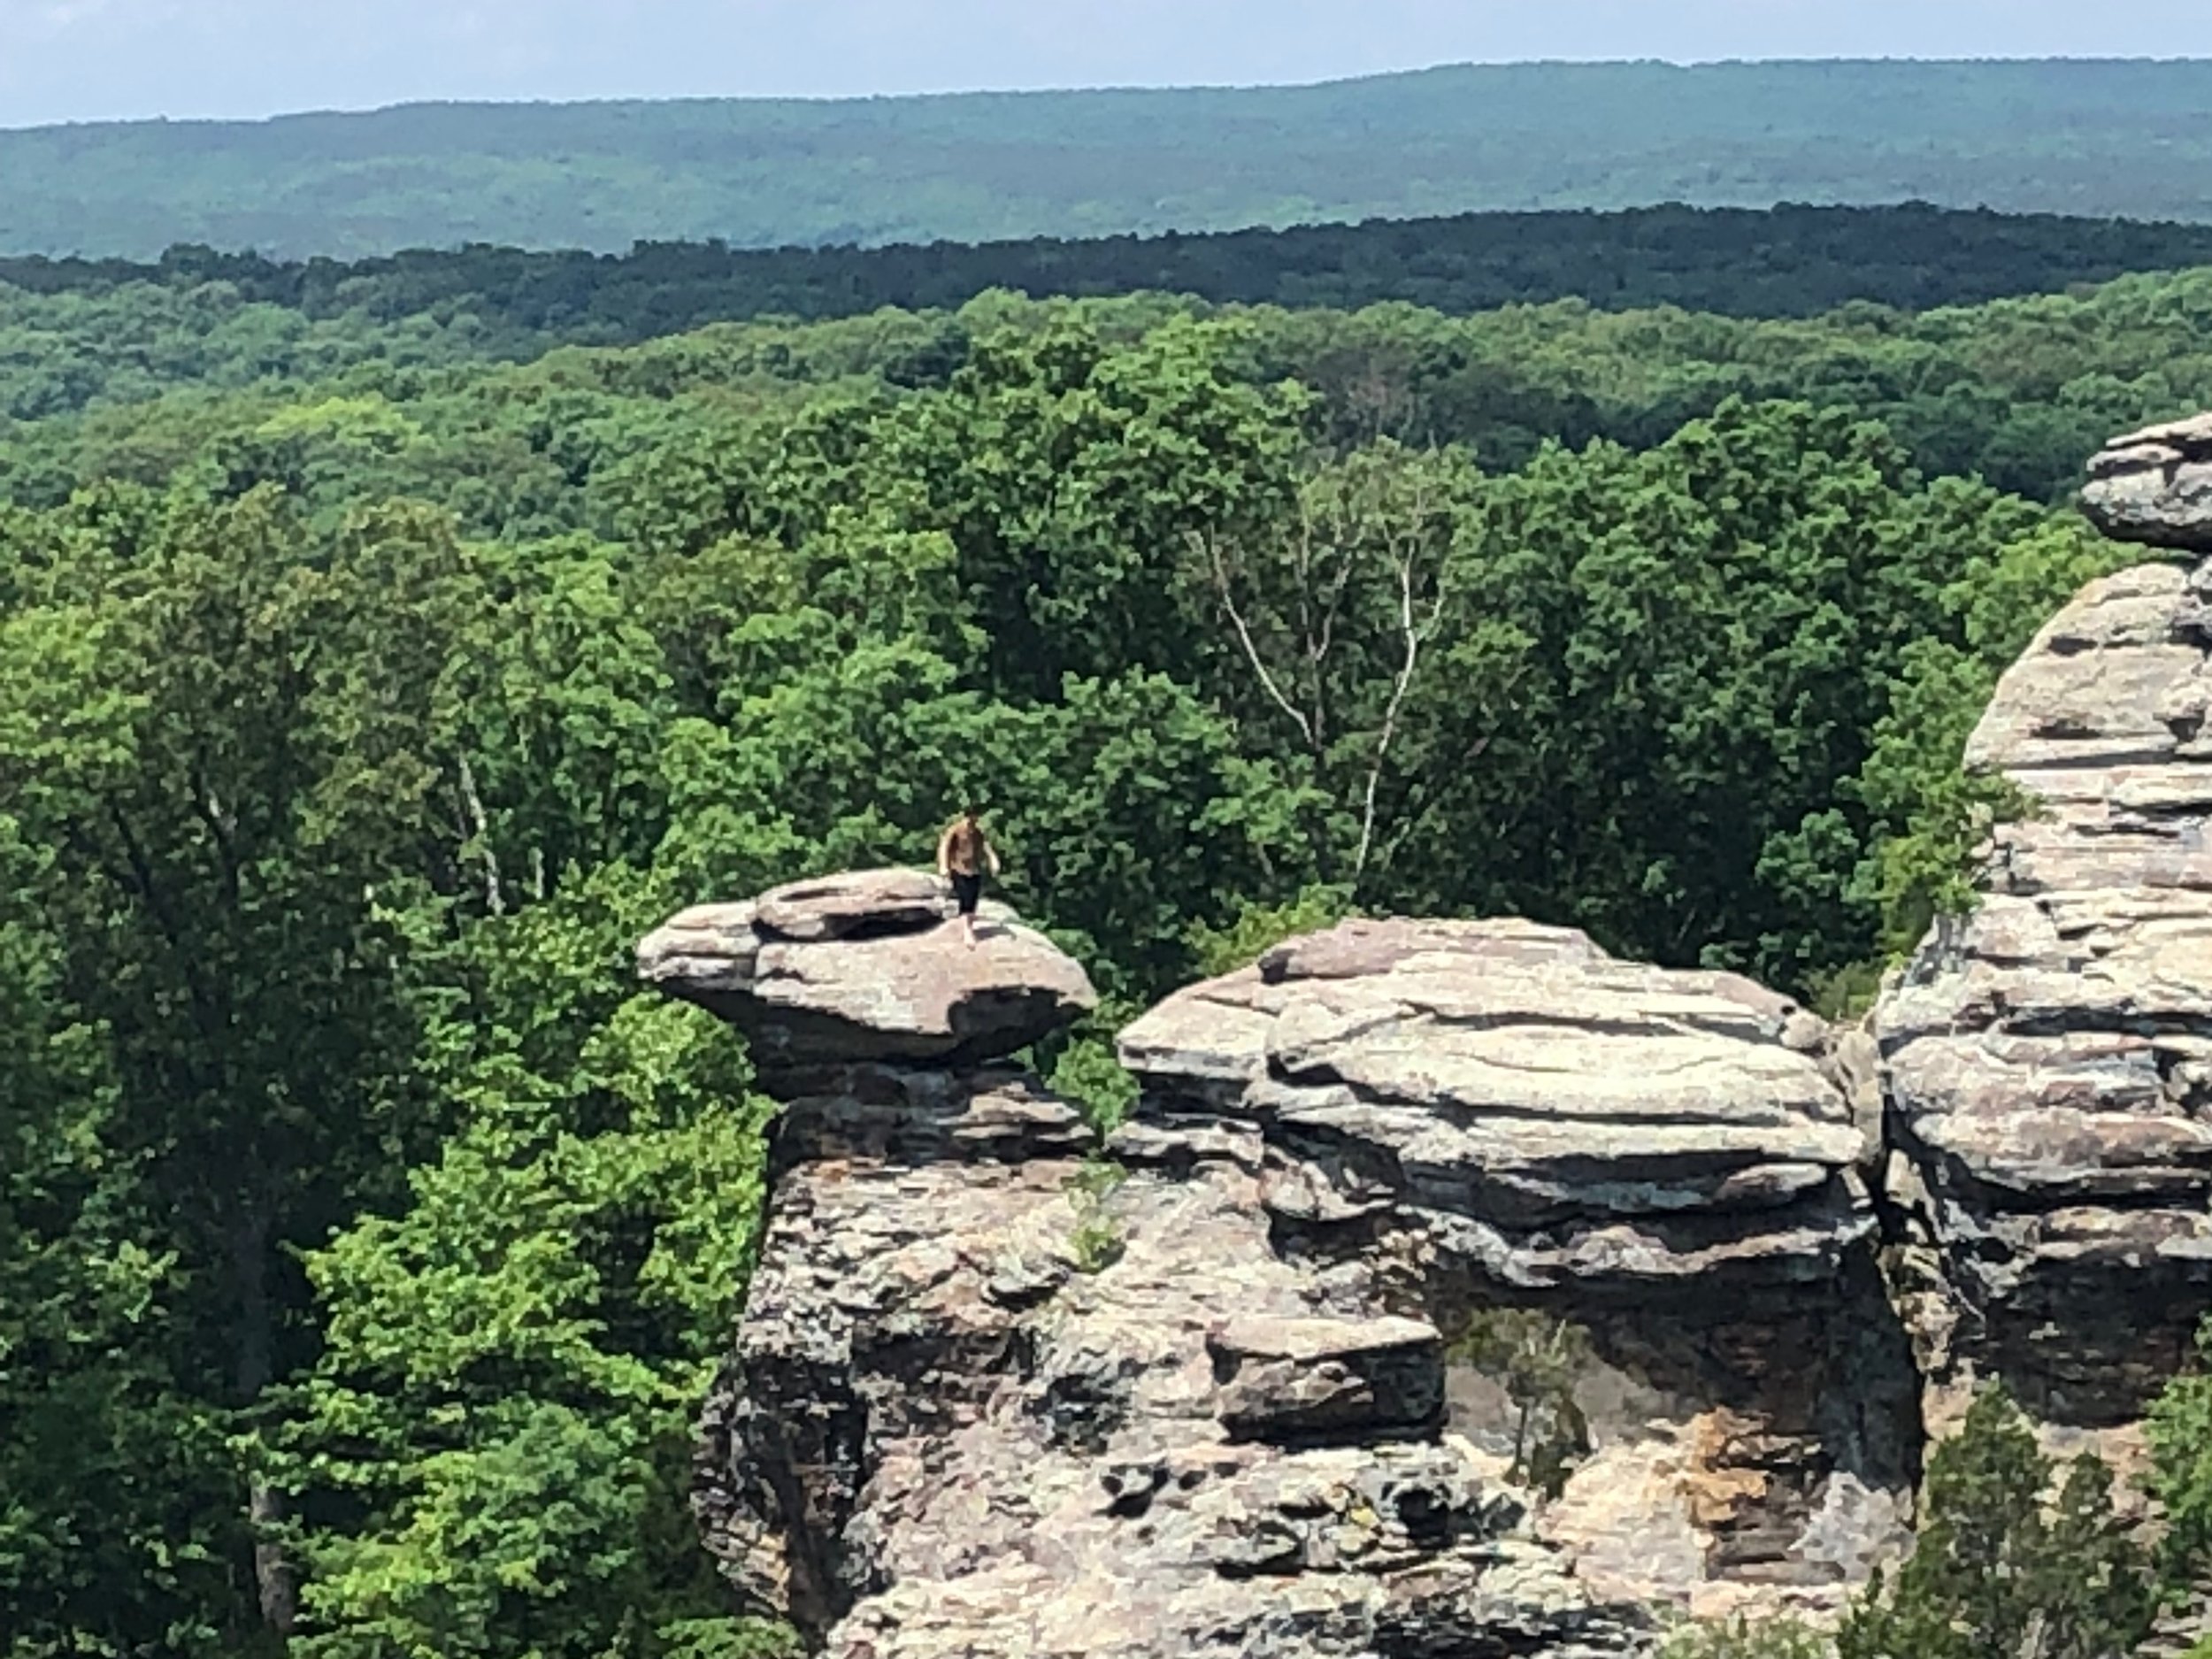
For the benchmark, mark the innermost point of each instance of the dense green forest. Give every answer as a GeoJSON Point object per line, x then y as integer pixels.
{"type": "Point", "coordinates": [2057, 137]}
{"type": "Point", "coordinates": [505, 301]}
{"type": "Point", "coordinates": [366, 1240]}
{"type": "Point", "coordinates": [140, 380]}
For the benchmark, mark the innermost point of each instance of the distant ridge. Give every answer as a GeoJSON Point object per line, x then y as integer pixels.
{"type": "Point", "coordinates": [2102, 137]}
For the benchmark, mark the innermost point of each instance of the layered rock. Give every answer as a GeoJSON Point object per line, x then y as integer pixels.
{"type": "Point", "coordinates": [1494, 1116]}
{"type": "Point", "coordinates": [2155, 487]}
{"type": "Point", "coordinates": [860, 968]}
{"type": "Point", "coordinates": [989, 1398]}
{"type": "Point", "coordinates": [2049, 1056]}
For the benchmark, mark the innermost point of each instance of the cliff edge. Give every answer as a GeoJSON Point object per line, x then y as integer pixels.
{"type": "Point", "coordinates": [2048, 1057]}
{"type": "Point", "coordinates": [1457, 1288]}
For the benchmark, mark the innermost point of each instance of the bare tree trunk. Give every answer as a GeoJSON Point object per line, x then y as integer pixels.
{"type": "Point", "coordinates": [480, 825]}
{"type": "Point", "coordinates": [1414, 634]}
{"type": "Point", "coordinates": [276, 1580]}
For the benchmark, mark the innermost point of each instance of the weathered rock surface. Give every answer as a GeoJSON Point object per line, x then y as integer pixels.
{"type": "Point", "coordinates": [1559, 1116]}
{"type": "Point", "coordinates": [865, 968]}
{"type": "Point", "coordinates": [2049, 1057]}
{"type": "Point", "coordinates": [1293, 1380]}
{"type": "Point", "coordinates": [2155, 487]}
{"type": "Point", "coordinates": [1496, 1116]}
{"type": "Point", "coordinates": [1406, 1195]}
{"type": "Point", "coordinates": [984, 1402]}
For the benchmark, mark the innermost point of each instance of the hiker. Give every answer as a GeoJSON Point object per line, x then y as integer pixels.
{"type": "Point", "coordinates": [963, 854]}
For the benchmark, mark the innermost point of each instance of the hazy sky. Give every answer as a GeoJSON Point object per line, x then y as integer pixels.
{"type": "Point", "coordinates": [89, 59]}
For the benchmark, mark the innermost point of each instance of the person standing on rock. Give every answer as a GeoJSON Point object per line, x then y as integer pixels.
{"type": "Point", "coordinates": [963, 854]}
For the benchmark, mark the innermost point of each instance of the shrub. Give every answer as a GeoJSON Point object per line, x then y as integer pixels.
{"type": "Point", "coordinates": [2000, 1571]}
{"type": "Point", "coordinates": [2180, 1433]}
{"type": "Point", "coordinates": [1536, 1359]}
{"type": "Point", "coordinates": [1097, 1243]}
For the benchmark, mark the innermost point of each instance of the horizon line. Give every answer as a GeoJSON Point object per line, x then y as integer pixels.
{"type": "Point", "coordinates": [1099, 90]}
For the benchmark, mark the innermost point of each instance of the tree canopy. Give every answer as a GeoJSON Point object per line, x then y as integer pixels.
{"type": "Point", "coordinates": [366, 1237]}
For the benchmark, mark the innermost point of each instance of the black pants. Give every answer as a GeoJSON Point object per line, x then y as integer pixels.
{"type": "Point", "coordinates": [967, 892]}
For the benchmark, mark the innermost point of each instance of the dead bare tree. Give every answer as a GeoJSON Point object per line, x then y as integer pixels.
{"type": "Point", "coordinates": [1373, 537]}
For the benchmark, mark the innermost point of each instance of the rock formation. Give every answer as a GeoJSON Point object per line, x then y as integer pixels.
{"type": "Point", "coordinates": [822, 973]}
{"type": "Point", "coordinates": [2156, 486]}
{"type": "Point", "coordinates": [1457, 1289]}
{"type": "Point", "coordinates": [990, 1396]}
{"type": "Point", "coordinates": [2049, 1057]}
{"type": "Point", "coordinates": [1487, 1116]}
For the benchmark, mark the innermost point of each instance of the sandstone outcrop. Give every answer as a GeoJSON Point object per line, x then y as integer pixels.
{"type": "Point", "coordinates": [1495, 1115]}
{"type": "Point", "coordinates": [989, 1398]}
{"type": "Point", "coordinates": [2155, 487]}
{"type": "Point", "coordinates": [2049, 1057]}
{"type": "Point", "coordinates": [861, 968]}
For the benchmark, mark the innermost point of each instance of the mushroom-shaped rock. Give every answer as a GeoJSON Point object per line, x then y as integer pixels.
{"type": "Point", "coordinates": [2155, 487]}
{"type": "Point", "coordinates": [2049, 1056]}
{"type": "Point", "coordinates": [866, 967]}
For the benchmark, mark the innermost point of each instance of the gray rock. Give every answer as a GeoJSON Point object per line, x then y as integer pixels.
{"type": "Point", "coordinates": [1663, 1172]}
{"type": "Point", "coordinates": [1516, 1077]}
{"type": "Point", "coordinates": [954, 1425]}
{"type": "Point", "coordinates": [935, 1439]}
{"type": "Point", "coordinates": [2049, 1059]}
{"type": "Point", "coordinates": [864, 968]}
{"type": "Point", "coordinates": [1302, 1381]}
{"type": "Point", "coordinates": [2155, 487]}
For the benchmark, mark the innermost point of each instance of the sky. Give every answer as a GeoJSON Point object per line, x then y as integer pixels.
{"type": "Point", "coordinates": [105, 59]}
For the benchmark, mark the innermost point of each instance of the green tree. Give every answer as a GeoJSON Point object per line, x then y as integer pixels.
{"type": "Point", "coordinates": [511, 1362]}
{"type": "Point", "coordinates": [2004, 1566]}
{"type": "Point", "coordinates": [2180, 1433]}
{"type": "Point", "coordinates": [1072, 476]}
{"type": "Point", "coordinates": [219, 735]}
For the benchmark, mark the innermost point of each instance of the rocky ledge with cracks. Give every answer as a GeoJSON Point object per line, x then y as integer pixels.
{"type": "Point", "coordinates": [1665, 1168]}
{"type": "Point", "coordinates": [990, 1397]}
{"type": "Point", "coordinates": [2048, 1058]}
{"type": "Point", "coordinates": [2155, 487]}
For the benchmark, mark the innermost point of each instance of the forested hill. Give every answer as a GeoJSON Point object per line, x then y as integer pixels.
{"type": "Point", "coordinates": [2068, 136]}
{"type": "Point", "coordinates": [1778, 262]}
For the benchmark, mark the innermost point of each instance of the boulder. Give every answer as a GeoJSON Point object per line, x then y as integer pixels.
{"type": "Point", "coordinates": [866, 968]}
{"type": "Point", "coordinates": [1517, 1078]}
{"type": "Point", "coordinates": [2155, 487]}
{"type": "Point", "coordinates": [2048, 1058]}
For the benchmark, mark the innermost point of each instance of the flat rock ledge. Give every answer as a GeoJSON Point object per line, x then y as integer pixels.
{"type": "Point", "coordinates": [866, 968]}
{"type": "Point", "coordinates": [1558, 1115]}
{"type": "Point", "coordinates": [1292, 1380]}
